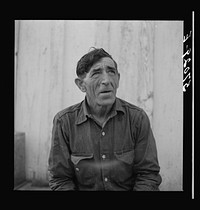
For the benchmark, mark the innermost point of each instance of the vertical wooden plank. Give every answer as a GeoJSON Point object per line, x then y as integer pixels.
{"type": "Point", "coordinates": [168, 102]}
{"type": "Point", "coordinates": [17, 30]}
{"type": "Point", "coordinates": [19, 159]}
{"type": "Point", "coordinates": [146, 67]}
{"type": "Point", "coordinates": [128, 58]}
{"type": "Point", "coordinates": [102, 34]}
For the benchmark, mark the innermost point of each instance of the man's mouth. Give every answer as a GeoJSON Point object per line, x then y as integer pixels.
{"type": "Point", "coordinates": [105, 91]}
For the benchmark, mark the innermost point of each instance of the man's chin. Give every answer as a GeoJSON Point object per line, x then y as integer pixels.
{"type": "Point", "coordinates": [106, 101]}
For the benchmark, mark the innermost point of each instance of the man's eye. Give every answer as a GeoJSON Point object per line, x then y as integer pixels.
{"type": "Point", "coordinates": [112, 72]}
{"type": "Point", "coordinates": [95, 73]}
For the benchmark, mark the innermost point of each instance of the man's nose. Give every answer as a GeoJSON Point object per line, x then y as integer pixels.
{"type": "Point", "coordinates": [105, 79]}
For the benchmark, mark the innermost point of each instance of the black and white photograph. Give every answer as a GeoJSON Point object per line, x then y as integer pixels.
{"type": "Point", "coordinates": [99, 106]}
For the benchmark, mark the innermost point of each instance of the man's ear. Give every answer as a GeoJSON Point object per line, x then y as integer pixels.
{"type": "Point", "coordinates": [79, 82]}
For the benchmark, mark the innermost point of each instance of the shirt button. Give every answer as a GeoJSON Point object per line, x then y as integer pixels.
{"type": "Point", "coordinates": [77, 169]}
{"type": "Point", "coordinates": [106, 179]}
{"type": "Point", "coordinates": [103, 133]}
{"type": "Point", "coordinates": [103, 156]}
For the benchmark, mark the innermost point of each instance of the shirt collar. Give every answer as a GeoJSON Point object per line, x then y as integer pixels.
{"type": "Point", "coordinates": [84, 112]}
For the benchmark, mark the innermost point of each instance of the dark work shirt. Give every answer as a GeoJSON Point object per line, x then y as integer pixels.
{"type": "Point", "coordinates": [120, 156]}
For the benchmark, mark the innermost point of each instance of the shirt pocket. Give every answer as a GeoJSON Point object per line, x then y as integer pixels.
{"type": "Point", "coordinates": [126, 157]}
{"type": "Point", "coordinates": [123, 170]}
{"type": "Point", "coordinates": [84, 168]}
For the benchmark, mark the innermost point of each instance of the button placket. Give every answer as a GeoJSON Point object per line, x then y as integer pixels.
{"type": "Point", "coordinates": [103, 157]}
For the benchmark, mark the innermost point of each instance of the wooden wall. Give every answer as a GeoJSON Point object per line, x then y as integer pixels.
{"type": "Point", "coordinates": [149, 57]}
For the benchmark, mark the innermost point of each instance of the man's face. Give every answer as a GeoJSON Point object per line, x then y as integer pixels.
{"type": "Point", "coordinates": [101, 82]}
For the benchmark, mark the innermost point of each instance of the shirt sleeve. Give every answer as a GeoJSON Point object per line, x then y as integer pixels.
{"type": "Point", "coordinates": [61, 172]}
{"type": "Point", "coordinates": [146, 166]}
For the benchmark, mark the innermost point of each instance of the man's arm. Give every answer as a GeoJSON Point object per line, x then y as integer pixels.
{"type": "Point", "coordinates": [146, 165]}
{"type": "Point", "coordinates": [61, 172]}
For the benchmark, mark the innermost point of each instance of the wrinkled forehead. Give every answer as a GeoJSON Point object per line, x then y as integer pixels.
{"type": "Point", "coordinates": [103, 63]}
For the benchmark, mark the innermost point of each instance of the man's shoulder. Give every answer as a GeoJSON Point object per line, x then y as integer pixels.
{"type": "Point", "coordinates": [134, 111]}
{"type": "Point", "coordinates": [130, 106]}
{"type": "Point", "coordinates": [69, 110]}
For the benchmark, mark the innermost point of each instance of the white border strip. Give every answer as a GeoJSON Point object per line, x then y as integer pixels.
{"type": "Point", "coordinates": [193, 105]}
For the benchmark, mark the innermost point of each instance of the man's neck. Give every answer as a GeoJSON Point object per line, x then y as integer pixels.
{"type": "Point", "coordinates": [99, 112]}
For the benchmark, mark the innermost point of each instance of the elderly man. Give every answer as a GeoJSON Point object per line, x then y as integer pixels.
{"type": "Point", "coordinates": [103, 143]}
